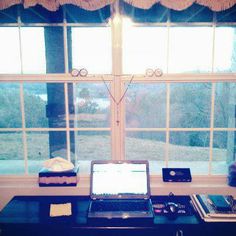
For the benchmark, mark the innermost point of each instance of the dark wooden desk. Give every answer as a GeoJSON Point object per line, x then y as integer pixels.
{"type": "Point", "coordinates": [29, 215]}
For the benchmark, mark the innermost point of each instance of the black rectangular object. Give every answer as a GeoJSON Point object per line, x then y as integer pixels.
{"type": "Point", "coordinates": [176, 175]}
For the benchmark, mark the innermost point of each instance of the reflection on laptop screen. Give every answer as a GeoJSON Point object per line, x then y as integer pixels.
{"type": "Point", "coordinates": [119, 179]}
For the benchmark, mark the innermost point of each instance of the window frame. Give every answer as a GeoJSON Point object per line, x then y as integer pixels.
{"type": "Point", "coordinates": [118, 81]}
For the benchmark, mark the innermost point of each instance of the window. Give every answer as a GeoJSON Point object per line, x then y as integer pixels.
{"type": "Point", "coordinates": [87, 54]}
{"type": "Point", "coordinates": [10, 50]}
{"type": "Point", "coordinates": [185, 118]}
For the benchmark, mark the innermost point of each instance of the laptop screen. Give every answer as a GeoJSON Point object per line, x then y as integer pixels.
{"type": "Point", "coordinates": [120, 179]}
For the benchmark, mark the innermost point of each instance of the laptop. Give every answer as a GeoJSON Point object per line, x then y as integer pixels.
{"type": "Point", "coordinates": [120, 190]}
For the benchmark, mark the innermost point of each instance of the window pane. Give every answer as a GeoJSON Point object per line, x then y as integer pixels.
{"type": "Point", "coordinates": [57, 144]}
{"type": "Point", "coordinates": [55, 108]}
{"type": "Point", "coordinates": [190, 49]}
{"type": "Point", "coordinates": [190, 105]}
{"type": "Point", "coordinates": [146, 146]}
{"type": "Point", "coordinates": [10, 112]}
{"type": "Point", "coordinates": [225, 49]}
{"type": "Point", "coordinates": [189, 150]}
{"type": "Point", "coordinates": [157, 13]}
{"type": "Point", "coordinates": [91, 49]}
{"type": "Point", "coordinates": [227, 15]}
{"type": "Point", "coordinates": [225, 105]}
{"type": "Point", "coordinates": [194, 13]}
{"type": "Point", "coordinates": [91, 145]}
{"type": "Point", "coordinates": [9, 15]}
{"type": "Point", "coordinates": [146, 106]}
{"type": "Point", "coordinates": [35, 98]}
{"type": "Point", "coordinates": [223, 151]}
{"type": "Point", "coordinates": [39, 14]}
{"type": "Point", "coordinates": [92, 106]}
{"type": "Point", "coordinates": [38, 150]}
{"type": "Point", "coordinates": [11, 153]}
{"type": "Point", "coordinates": [10, 50]}
{"type": "Point", "coordinates": [75, 14]}
{"type": "Point", "coordinates": [144, 47]}
{"type": "Point", "coordinates": [44, 145]}
{"type": "Point", "coordinates": [54, 49]}
{"type": "Point", "coordinates": [33, 57]}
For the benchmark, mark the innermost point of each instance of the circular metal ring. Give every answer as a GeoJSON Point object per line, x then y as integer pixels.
{"type": "Point", "coordinates": [158, 72]}
{"type": "Point", "coordinates": [83, 72]}
{"type": "Point", "coordinates": [75, 72]}
{"type": "Point", "coordinates": [149, 72]}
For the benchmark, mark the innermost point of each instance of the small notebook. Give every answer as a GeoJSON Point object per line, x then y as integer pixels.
{"type": "Point", "coordinates": [60, 210]}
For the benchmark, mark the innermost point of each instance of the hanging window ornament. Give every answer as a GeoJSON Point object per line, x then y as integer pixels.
{"type": "Point", "coordinates": [117, 102]}
{"type": "Point", "coordinates": [158, 72]}
{"type": "Point", "coordinates": [75, 72]}
{"type": "Point", "coordinates": [149, 72]}
{"type": "Point", "coordinates": [83, 72]}
{"type": "Point", "coordinates": [79, 73]}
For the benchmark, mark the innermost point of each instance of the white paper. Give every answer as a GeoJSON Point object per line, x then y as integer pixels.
{"type": "Point", "coordinates": [60, 210]}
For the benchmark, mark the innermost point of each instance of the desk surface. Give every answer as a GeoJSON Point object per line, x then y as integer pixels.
{"type": "Point", "coordinates": [35, 209]}
{"type": "Point", "coordinates": [33, 212]}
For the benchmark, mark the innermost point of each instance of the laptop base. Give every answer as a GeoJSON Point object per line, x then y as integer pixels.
{"type": "Point", "coordinates": [102, 221]}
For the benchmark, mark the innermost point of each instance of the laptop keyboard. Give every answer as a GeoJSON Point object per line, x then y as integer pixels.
{"type": "Point", "coordinates": [120, 206]}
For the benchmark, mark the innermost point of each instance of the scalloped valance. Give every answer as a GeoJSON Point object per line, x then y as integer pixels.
{"type": "Point", "coordinates": [214, 5]}
{"type": "Point", "coordinates": [53, 5]}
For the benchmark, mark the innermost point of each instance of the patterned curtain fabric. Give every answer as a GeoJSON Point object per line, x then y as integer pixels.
{"type": "Point", "coordinates": [53, 5]}
{"type": "Point", "coordinates": [214, 5]}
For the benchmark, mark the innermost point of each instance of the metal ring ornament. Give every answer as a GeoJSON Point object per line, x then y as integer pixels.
{"type": "Point", "coordinates": [75, 72]}
{"type": "Point", "coordinates": [149, 72]}
{"type": "Point", "coordinates": [83, 72]}
{"type": "Point", "coordinates": [158, 72]}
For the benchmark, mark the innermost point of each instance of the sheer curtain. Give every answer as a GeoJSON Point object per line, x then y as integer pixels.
{"type": "Point", "coordinates": [53, 5]}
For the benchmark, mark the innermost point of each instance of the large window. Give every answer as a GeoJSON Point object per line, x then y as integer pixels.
{"type": "Point", "coordinates": [184, 118]}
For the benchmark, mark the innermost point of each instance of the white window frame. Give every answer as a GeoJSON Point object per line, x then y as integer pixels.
{"type": "Point", "coordinates": [118, 81]}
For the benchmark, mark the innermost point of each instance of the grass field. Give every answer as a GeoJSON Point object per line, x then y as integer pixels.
{"type": "Point", "coordinates": [99, 147]}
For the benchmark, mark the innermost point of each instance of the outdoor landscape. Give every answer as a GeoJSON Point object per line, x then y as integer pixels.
{"type": "Point", "coordinates": [190, 107]}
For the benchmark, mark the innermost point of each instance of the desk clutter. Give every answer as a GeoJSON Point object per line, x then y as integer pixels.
{"type": "Point", "coordinates": [215, 208]}
{"type": "Point", "coordinates": [58, 172]}
{"type": "Point", "coordinates": [173, 206]}
{"type": "Point", "coordinates": [68, 215]}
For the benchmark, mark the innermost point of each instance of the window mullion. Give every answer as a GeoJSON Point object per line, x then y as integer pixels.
{"type": "Point", "coordinates": [211, 127]}
{"type": "Point", "coordinates": [167, 123]}
{"type": "Point", "coordinates": [67, 122]}
{"type": "Point", "coordinates": [117, 119]}
{"type": "Point", "coordinates": [168, 42]}
{"type": "Point", "coordinates": [213, 43]}
{"type": "Point", "coordinates": [66, 59]}
{"type": "Point", "coordinates": [20, 46]}
{"type": "Point", "coordinates": [23, 128]}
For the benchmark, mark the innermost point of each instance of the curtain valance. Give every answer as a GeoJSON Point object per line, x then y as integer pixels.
{"type": "Point", "coordinates": [214, 5]}
{"type": "Point", "coordinates": [53, 5]}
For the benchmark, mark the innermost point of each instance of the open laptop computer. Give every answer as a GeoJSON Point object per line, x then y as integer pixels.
{"type": "Point", "coordinates": [120, 190]}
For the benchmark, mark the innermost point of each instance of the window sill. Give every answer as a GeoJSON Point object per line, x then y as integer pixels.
{"type": "Point", "coordinates": [28, 185]}
{"type": "Point", "coordinates": [199, 184]}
